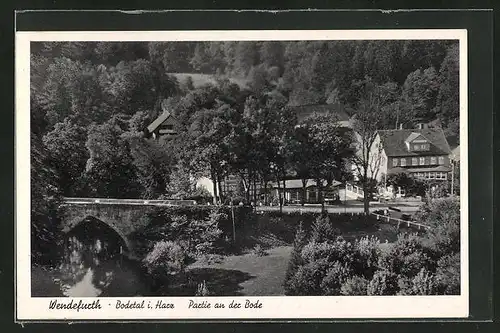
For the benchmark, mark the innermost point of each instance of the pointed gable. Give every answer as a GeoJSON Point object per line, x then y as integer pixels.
{"type": "Point", "coordinates": [413, 137]}
{"type": "Point", "coordinates": [396, 142]}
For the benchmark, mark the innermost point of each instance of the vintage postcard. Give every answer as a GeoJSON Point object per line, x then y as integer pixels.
{"type": "Point", "coordinates": [195, 175]}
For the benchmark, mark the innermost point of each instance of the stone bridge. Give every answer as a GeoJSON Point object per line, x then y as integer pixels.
{"type": "Point", "coordinates": [124, 216]}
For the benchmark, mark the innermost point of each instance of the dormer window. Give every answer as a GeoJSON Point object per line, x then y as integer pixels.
{"type": "Point", "coordinates": [417, 142]}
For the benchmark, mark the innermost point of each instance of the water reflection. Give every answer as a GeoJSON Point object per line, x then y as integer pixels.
{"type": "Point", "coordinates": [93, 264]}
{"type": "Point", "coordinates": [88, 267]}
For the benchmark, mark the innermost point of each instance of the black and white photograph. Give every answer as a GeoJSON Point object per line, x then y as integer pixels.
{"type": "Point", "coordinates": [208, 169]}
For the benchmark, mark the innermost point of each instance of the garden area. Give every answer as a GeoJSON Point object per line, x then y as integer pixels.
{"type": "Point", "coordinates": [269, 253]}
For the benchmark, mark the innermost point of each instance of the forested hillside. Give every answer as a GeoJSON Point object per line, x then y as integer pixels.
{"type": "Point", "coordinates": [90, 102]}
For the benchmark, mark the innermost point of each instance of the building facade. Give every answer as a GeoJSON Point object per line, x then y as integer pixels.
{"type": "Point", "coordinates": [421, 153]}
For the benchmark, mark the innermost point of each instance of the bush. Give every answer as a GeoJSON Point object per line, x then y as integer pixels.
{"type": "Point", "coordinates": [366, 256]}
{"type": "Point", "coordinates": [383, 283]}
{"type": "Point", "coordinates": [166, 258]}
{"type": "Point", "coordinates": [308, 278]}
{"type": "Point", "coordinates": [448, 275]}
{"type": "Point", "coordinates": [206, 235]}
{"type": "Point", "coordinates": [334, 279]}
{"type": "Point", "coordinates": [197, 230]}
{"type": "Point", "coordinates": [295, 257]}
{"type": "Point", "coordinates": [407, 256]}
{"type": "Point", "coordinates": [202, 290]}
{"type": "Point", "coordinates": [443, 216]}
{"type": "Point", "coordinates": [424, 283]}
{"type": "Point", "coordinates": [340, 250]}
{"type": "Point", "coordinates": [322, 230]}
{"type": "Point", "coordinates": [413, 265]}
{"type": "Point", "coordinates": [354, 286]}
{"type": "Point", "coordinates": [315, 262]}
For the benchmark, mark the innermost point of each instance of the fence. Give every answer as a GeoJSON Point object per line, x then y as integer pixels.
{"type": "Point", "coordinates": [354, 188]}
{"type": "Point", "coordinates": [400, 221]}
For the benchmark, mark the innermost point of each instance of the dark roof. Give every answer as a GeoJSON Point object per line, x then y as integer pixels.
{"type": "Point", "coordinates": [297, 183]}
{"type": "Point", "coordinates": [393, 142]}
{"type": "Point", "coordinates": [154, 125]}
{"type": "Point", "coordinates": [304, 112]}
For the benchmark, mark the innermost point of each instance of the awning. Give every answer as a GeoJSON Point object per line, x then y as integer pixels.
{"type": "Point", "coordinates": [397, 170]}
{"type": "Point", "coordinates": [440, 168]}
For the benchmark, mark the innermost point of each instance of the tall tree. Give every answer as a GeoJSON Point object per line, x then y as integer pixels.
{"type": "Point", "coordinates": [45, 196]}
{"type": "Point", "coordinates": [153, 164]}
{"type": "Point", "coordinates": [246, 55]}
{"type": "Point", "coordinates": [56, 95]}
{"type": "Point", "coordinates": [67, 155]}
{"type": "Point", "coordinates": [448, 99]}
{"type": "Point", "coordinates": [134, 86]}
{"type": "Point", "coordinates": [301, 154]}
{"type": "Point", "coordinates": [368, 120]}
{"type": "Point", "coordinates": [420, 91]}
{"type": "Point", "coordinates": [110, 171]}
{"type": "Point", "coordinates": [207, 142]}
{"type": "Point", "coordinates": [329, 149]}
{"type": "Point", "coordinates": [272, 54]}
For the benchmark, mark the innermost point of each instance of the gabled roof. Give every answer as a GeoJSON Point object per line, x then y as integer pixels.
{"type": "Point", "coordinates": [154, 125]}
{"type": "Point", "coordinates": [305, 112]}
{"type": "Point", "coordinates": [393, 142]}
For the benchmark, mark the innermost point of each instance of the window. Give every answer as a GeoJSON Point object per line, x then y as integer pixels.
{"type": "Point", "coordinates": [414, 161]}
{"type": "Point", "coordinates": [433, 160]}
{"type": "Point", "coordinates": [423, 147]}
{"type": "Point", "coordinates": [422, 161]}
{"type": "Point", "coordinates": [441, 160]}
{"type": "Point", "coordinates": [394, 162]}
{"type": "Point", "coordinates": [416, 147]}
{"type": "Point", "coordinates": [432, 175]}
{"type": "Point", "coordinates": [403, 162]}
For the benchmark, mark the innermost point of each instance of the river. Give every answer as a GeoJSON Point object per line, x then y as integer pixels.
{"type": "Point", "coordinates": [90, 267]}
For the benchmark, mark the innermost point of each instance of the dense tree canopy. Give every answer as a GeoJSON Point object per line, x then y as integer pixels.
{"type": "Point", "coordinates": [78, 89]}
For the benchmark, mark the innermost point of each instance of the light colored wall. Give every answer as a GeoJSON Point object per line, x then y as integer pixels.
{"type": "Point", "coordinates": [207, 183]}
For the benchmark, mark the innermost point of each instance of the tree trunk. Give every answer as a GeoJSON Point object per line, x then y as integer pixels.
{"type": "Point", "coordinates": [255, 190]}
{"type": "Point", "coordinates": [264, 182]}
{"type": "Point", "coordinates": [284, 189]}
{"type": "Point", "coordinates": [304, 192]}
{"type": "Point", "coordinates": [320, 194]}
{"type": "Point", "coordinates": [219, 184]}
{"type": "Point", "coordinates": [366, 202]}
{"type": "Point", "coordinates": [214, 184]}
{"type": "Point", "coordinates": [366, 198]}
{"type": "Point", "coordinates": [279, 193]}
{"type": "Point", "coordinates": [245, 186]}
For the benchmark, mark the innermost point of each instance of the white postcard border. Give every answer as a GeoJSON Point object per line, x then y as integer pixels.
{"type": "Point", "coordinates": [279, 307]}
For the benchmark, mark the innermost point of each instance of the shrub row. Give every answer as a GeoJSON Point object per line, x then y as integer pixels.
{"type": "Point", "coordinates": [324, 263]}
{"type": "Point", "coordinates": [284, 225]}
{"type": "Point", "coordinates": [200, 229]}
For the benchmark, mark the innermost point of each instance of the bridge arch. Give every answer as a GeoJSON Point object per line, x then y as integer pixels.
{"type": "Point", "coordinates": [91, 226]}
